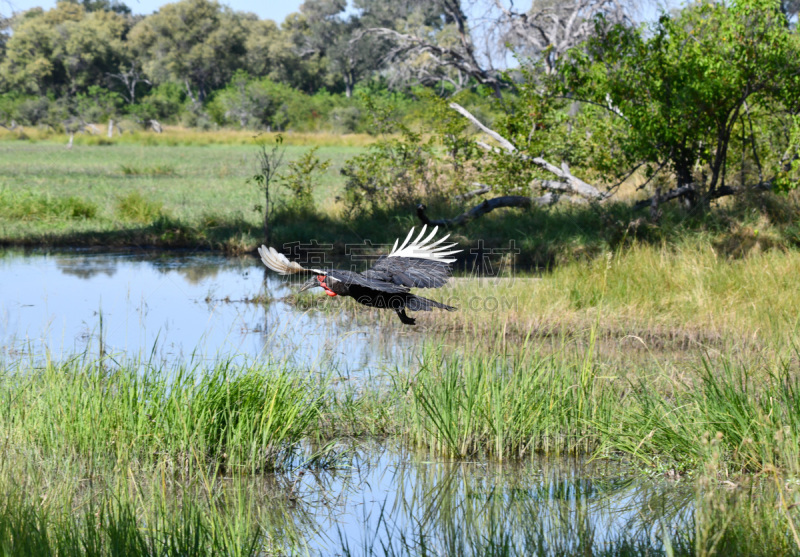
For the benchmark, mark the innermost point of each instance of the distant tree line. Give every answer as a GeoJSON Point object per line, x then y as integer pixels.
{"type": "Point", "coordinates": [199, 62]}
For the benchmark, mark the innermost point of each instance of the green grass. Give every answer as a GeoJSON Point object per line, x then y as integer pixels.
{"type": "Point", "coordinates": [158, 170]}
{"type": "Point", "coordinates": [204, 189]}
{"type": "Point", "coordinates": [507, 405]}
{"type": "Point", "coordinates": [29, 207]}
{"type": "Point", "coordinates": [252, 418]}
{"type": "Point", "coordinates": [108, 458]}
{"type": "Point", "coordinates": [203, 186]}
{"type": "Point", "coordinates": [134, 207]}
{"type": "Point", "coordinates": [727, 417]}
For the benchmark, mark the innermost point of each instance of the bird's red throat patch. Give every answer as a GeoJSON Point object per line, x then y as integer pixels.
{"type": "Point", "coordinates": [328, 291]}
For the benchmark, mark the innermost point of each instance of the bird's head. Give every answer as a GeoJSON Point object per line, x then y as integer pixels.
{"type": "Point", "coordinates": [310, 283]}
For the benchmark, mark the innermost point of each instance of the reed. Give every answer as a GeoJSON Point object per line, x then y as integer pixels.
{"type": "Point", "coordinates": [252, 418]}
{"type": "Point", "coordinates": [724, 418]}
{"type": "Point", "coordinates": [507, 405]}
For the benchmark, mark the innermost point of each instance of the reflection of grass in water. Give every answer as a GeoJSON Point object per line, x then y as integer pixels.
{"type": "Point", "coordinates": [156, 443]}
{"type": "Point", "coordinates": [566, 507]}
{"type": "Point", "coordinates": [99, 507]}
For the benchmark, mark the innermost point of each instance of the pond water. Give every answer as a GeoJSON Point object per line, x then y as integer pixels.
{"type": "Point", "coordinates": [181, 307]}
{"type": "Point", "coordinates": [389, 501]}
{"type": "Point", "coordinates": [393, 502]}
{"type": "Point", "coordinates": [201, 308]}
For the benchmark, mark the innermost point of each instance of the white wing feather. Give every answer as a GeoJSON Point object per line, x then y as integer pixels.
{"type": "Point", "coordinates": [423, 249]}
{"type": "Point", "coordinates": [278, 263]}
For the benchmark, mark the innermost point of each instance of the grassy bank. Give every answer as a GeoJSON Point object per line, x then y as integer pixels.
{"type": "Point", "coordinates": [688, 295]}
{"type": "Point", "coordinates": [195, 193]}
{"type": "Point", "coordinates": [135, 195]}
{"type": "Point", "coordinates": [175, 136]}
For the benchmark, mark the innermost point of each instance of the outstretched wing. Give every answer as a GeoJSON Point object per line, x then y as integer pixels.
{"type": "Point", "coordinates": [276, 261]}
{"type": "Point", "coordinates": [420, 263]}
{"type": "Point", "coordinates": [425, 249]}
{"type": "Point", "coordinates": [410, 271]}
{"type": "Point", "coordinates": [362, 279]}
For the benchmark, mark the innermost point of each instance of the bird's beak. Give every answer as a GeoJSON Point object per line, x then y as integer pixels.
{"type": "Point", "coordinates": [310, 283]}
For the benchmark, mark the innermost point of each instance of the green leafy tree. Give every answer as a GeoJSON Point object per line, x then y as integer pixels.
{"type": "Point", "coordinates": [350, 52]}
{"type": "Point", "coordinates": [684, 88]}
{"type": "Point", "coordinates": [63, 50]}
{"type": "Point", "coordinates": [197, 43]}
{"type": "Point", "coordinates": [254, 103]}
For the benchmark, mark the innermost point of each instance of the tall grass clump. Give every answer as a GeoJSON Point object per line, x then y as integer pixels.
{"type": "Point", "coordinates": [507, 405]}
{"type": "Point", "coordinates": [729, 418]}
{"type": "Point", "coordinates": [135, 207]}
{"type": "Point", "coordinates": [251, 418]}
{"type": "Point", "coordinates": [27, 206]}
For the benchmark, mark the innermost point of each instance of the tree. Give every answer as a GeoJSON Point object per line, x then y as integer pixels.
{"type": "Point", "coordinates": [682, 88]}
{"type": "Point", "coordinates": [261, 39]}
{"type": "Point", "coordinates": [551, 27]}
{"type": "Point", "coordinates": [442, 41]}
{"type": "Point", "coordinates": [62, 50]}
{"type": "Point", "coordinates": [349, 52]}
{"type": "Point", "coordinates": [254, 103]}
{"type": "Point", "coordinates": [194, 42]}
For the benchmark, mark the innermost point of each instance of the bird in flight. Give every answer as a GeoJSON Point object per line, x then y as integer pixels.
{"type": "Point", "coordinates": [417, 263]}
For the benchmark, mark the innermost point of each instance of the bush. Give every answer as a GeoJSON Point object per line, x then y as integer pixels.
{"type": "Point", "coordinates": [257, 104]}
{"type": "Point", "coordinates": [300, 179]}
{"type": "Point", "coordinates": [98, 104]}
{"type": "Point", "coordinates": [164, 103]}
{"type": "Point", "coordinates": [32, 111]}
{"type": "Point", "coordinates": [345, 119]}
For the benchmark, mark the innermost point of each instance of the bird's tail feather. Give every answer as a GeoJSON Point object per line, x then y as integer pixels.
{"type": "Point", "coordinates": [418, 303]}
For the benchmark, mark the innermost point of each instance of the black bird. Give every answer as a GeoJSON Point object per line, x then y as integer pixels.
{"type": "Point", "coordinates": [415, 264]}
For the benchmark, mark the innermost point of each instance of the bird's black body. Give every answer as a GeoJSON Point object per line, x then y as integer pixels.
{"type": "Point", "coordinates": [387, 285]}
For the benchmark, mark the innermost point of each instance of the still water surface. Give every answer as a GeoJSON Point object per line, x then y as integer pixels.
{"type": "Point", "coordinates": [180, 307]}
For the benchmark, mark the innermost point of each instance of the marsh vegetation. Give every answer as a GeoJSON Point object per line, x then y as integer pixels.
{"type": "Point", "coordinates": [621, 377]}
{"type": "Point", "coordinates": [577, 437]}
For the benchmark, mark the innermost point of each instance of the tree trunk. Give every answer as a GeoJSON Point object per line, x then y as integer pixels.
{"type": "Point", "coordinates": [266, 214]}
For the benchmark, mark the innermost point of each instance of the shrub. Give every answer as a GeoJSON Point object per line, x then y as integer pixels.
{"type": "Point", "coordinates": [300, 179]}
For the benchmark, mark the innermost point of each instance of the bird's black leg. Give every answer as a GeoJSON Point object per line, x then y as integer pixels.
{"type": "Point", "coordinates": [401, 313]}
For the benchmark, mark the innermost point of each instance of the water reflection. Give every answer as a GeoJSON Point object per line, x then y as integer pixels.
{"type": "Point", "coordinates": [392, 502]}
{"type": "Point", "coordinates": [179, 307]}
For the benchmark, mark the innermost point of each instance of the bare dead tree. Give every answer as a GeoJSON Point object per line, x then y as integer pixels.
{"type": "Point", "coordinates": [551, 27]}
{"type": "Point", "coordinates": [462, 55]}
{"type": "Point", "coordinates": [567, 182]}
{"type": "Point", "coordinates": [567, 186]}
{"type": "Point", "coordinates": [129, 79]}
